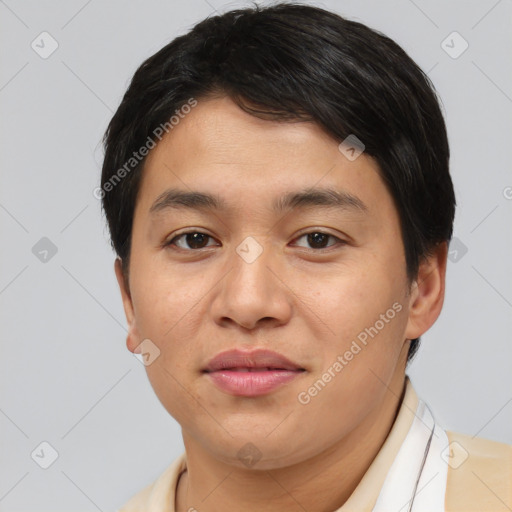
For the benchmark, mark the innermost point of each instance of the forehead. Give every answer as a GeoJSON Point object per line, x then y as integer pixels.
{"type": "Point", "coordinates": [220, 149]}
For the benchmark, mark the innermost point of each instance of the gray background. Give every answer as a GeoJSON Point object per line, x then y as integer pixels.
{"type": "Point", "coordinates": [66, 376]}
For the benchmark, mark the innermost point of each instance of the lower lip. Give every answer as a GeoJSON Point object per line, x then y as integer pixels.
{"type": "Point", "coordinates": [252, 383]}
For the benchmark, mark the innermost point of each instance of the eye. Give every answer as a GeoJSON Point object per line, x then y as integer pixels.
{"type": "Point", "coordinates": [318, 240]}
{"type": "Point", "coordinates": [191, 240]}
{"type": "Point", "coordinates": [194, 240]}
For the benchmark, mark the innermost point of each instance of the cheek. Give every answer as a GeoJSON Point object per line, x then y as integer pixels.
{"type": "Point", "coordinates": [347, 299]}
{"type": "Point", "coordinates": [365, 310]}
{"type": "Point", "coordinates": [168, 312]}
{"type": "Point", "coordinates": [359, 362]}
{"type": "Point", "coordinates": [163, 301]}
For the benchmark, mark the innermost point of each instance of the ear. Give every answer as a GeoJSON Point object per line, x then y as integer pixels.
{"type": "Point", "coordinates": [132, 338]}
{"type": "Point", "coordinates": [427, 293]}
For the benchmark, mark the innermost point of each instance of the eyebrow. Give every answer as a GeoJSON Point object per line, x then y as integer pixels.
{"type": "Point", "coordinates": [312, 197]}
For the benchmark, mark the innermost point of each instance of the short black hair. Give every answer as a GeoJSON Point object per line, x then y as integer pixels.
{"type": "Point", "coordinates": [291, 62]}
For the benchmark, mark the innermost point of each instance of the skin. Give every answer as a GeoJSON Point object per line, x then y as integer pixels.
{"type": "Point", "coordinates": [305, 302]}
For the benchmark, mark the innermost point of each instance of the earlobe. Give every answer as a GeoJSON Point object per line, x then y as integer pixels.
{"type": "Point", "coordinates": [132, 337]}
{"type": "Point", "coordinates": [427, 292]}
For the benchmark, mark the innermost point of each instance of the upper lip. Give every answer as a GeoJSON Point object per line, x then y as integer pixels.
{"type": "Point", "coordinates": [254, 359]}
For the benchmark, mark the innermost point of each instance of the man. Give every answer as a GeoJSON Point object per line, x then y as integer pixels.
{"type": "Point", "coordinates": [277, 190]}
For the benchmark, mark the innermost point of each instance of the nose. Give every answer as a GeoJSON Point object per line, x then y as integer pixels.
{"type": "Point", "coordinates": [252, 294]}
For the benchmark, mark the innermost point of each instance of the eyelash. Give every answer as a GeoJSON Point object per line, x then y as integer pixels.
{"type": "Point", "coordinates": [171, 243]}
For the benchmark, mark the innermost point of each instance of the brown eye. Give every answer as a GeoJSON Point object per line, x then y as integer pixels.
{"type": "Point", "coordinates": [318, 240]}
{"type": "Point", "coordinates": [191, 240]}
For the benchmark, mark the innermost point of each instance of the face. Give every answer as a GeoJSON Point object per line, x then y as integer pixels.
{"type": "Point", "coordinates": [268, 270]}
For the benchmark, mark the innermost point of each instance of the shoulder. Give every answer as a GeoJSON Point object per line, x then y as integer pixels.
{"type": "Point", "coordinates": [158, 495]}
{"type": "Point", "coordinates": [479, 474]}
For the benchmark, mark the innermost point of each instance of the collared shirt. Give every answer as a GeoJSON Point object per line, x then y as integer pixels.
{"type": "Point", "coordinates": [476, 474]}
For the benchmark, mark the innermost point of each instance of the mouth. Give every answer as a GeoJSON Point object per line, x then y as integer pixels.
{"type": "Point", "coordinates": [253, 369]}
{"type": "Point", "coordinates": [251, 374]}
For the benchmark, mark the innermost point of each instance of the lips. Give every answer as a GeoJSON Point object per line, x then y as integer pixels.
{"type": "Point", "coordinates": [251, 374]}
{"type": "Point", "coordinates": [251, 361]}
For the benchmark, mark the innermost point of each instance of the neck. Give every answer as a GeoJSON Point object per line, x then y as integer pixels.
{"type": "Point", "coordinates": [322, 483]}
